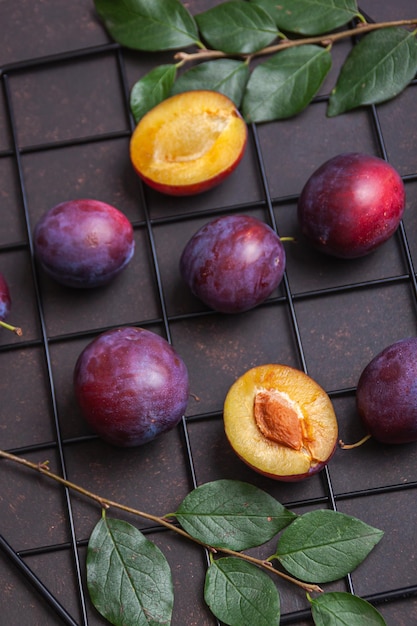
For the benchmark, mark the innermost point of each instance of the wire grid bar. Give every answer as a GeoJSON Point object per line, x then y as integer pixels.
{"type": "Point", "coordinates": [267, 203]}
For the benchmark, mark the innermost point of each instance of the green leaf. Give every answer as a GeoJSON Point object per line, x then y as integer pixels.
{"type": "Point", "coordinates": [232, 514]}
{"type": "Point", "coordinates": [322, 546]}
{"type": "Point", "coordinates": [237, 27]}
{"type": "Point", "coordinates": [240, 594]}
{"type": "Point", "coordinates": [128, 577]}
{"type": "Point", "coordinates": [151, 89]}
{"type": "Point", "coordinates": [309, 17]}
{"type": "Point", "coordinates": [148, 25]}
{"type": "Point", "coordinates": [344, 609]}
{"type": "Point", "coordinates": [286, 83]}
{"type": "Point", "coordinates": [378, 68]}
{"type": "Point", "coordinates": [227, 76]}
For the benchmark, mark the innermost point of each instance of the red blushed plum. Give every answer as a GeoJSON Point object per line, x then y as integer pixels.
{"type": "Point", "coordinates": [351, 205]}
{"type": "Point", "coordinates": [233, 263]}
{"type": "Point", "coordinates": [131, 386]}
{"type": "Point", "coordinates": [386, 395]}
{"type": "Point", "coordinates": [83, 243]}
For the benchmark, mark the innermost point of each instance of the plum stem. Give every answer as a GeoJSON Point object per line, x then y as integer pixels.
{"type": "Point", "coordinates": [325, 40]}
{"type": "Point", "coordinates": [350, 446]}
{"type": "Point", "coordinates": [15, 329]}
{"type": "Point", "coordinates": [105, 504]}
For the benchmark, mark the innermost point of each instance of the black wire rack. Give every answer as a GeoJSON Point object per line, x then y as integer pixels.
{"type": "Point", "coordinates": [65, 133]}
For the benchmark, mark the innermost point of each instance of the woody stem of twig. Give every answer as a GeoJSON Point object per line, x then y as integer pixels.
{"type": "Point", "coordinates": [105, 503]}
{"type": "Point", "coordinates": [324, 40]}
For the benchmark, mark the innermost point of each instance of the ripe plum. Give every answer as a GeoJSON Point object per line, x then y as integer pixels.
{"type": "Point", "coordinates": [131, 386]}
{"type": "Point", "coordinates": [351, 205]}
{"type": "Point", "coordinates": [233, 263]}
{"type": "Point", "coordinates": [5, 300]}
{"type": "Point", "coordinates": [5, 306]}
{"type": "Point", "coordinates": [83, 243]}
{"type": "Point", "coordinates": [386, 395]}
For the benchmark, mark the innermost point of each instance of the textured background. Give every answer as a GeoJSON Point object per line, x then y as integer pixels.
{"type": "Point", "coordinates": [64, 133]}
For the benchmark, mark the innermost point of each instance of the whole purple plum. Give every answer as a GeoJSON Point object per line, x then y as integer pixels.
{"type": "Point", "coordinates": [5, 300]}
{"type": "Point", "coordinates": [351, 205]}
{"type": "Point", "coordinates": [5, 306]}
{"type": "Point", "coordinates": [386, 395]}
{"type": "Point", "coordinates": [131, 386]}
{"type": "Point", "coordinates": [83, 243]}
{"type": "Point", "coordinates": [233, 263]}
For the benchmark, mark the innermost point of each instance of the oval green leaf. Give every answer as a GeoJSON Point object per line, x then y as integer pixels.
{"type": "Point", "coordinates": [144, 25]}
{"type": "Point", "coordinates": [240, 594]}
{"type": "Point", "coordinates": [377, 69]}
{"type": "Point", "coordinates": [128, 577]}
{"type": "Point", "coordinates": [340, 608]}
{"type": "Point", "coordinates": [237, 27]}
{"type": "Point", "coordinates": [309, 17]}
{"type": "Point", "coordinates": [232, 514]}
{"type": "Point", "coordinates": [285, 84]}
{"type": "Point", "coordinates": [323, 546]}
{"type": "Point", "coordinates": [227, 76]}
{"type": "Point", "coordinates": [151, 89]}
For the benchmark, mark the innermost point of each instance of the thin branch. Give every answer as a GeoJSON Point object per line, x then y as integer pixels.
{"type": "Point", "coordinates": [105, 503]}
{"type": "Point", "coordinates": [327, 40]}
{"type": "Point", "coordinates": [324, 40]}
{"type": "Point", "coordinates": [186, 57]}
{"type": "Point", "coordinates": [15, 329]}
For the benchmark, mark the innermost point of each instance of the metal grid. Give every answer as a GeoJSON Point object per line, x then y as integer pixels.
{"type": "Point", "coordinates": [148, 225]}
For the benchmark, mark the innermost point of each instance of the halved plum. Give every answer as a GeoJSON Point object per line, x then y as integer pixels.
{"type": "Point", "coordinates": [280, 422]}
{"type": "Point", "coordinates": [189, 142]}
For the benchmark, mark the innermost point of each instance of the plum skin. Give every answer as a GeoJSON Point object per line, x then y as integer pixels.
{"type": "Point", "coordinates": [131, 386]}
{"type": "Point", "coordinates": [233, 263]}
{"type": "Point", "coordinates": [386, 395]}
{"type": "Point", "coordinates": [292, 478]}
{"type": "Point", "coordinates": [351, 205]}
{"type": "Point", "coordinates": [5, 299]}
{"type": "Point", "coordinates": [83, 243]}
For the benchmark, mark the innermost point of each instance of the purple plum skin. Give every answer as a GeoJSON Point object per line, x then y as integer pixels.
{"type": "Point", "coordinates": [83, 243]}
{"type": "Point", "coordinates": [233, 263]}
{"type": "Point", "coordinates": [5, 300]}
{"type": "Point", "coordinates": [386, 395]}
{"type": "Point", "coordinates": [351, 205]}
{"type": "Point", "coordinates": [131, 386]}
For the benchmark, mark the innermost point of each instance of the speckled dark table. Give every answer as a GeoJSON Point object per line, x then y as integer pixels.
{"type": "Point", "coordinates": [64, 133]}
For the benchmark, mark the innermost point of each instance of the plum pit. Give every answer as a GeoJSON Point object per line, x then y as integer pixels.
{"type": "Point", "coordinates": [278, 419]}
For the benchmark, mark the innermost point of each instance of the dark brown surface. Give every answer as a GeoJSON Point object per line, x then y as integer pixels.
{"type": "Point", "coordinates": [71, 123]}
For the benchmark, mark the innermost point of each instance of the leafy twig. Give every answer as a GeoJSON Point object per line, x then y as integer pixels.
{"type": "Point", "coordinates": [105, 503]}
{"type": "Point", "coordinates": [325, 40]}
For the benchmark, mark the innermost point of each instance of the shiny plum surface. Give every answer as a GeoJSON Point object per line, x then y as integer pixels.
{"type": "Point", "coordinates": [233, 263]}
{"type": "Point", "coordinates": [83, 243]}
{"type": "Point", "coordinates": [5, 300]}
{"type": "Point", "coordinates": [131, 386]}
{"type": "Point", "coordinates": [351, 205]}
{"type": "Point", "coordinates": [386, 394]}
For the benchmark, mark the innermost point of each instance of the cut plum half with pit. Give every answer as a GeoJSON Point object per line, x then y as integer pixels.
{"type": "Point", "coordinates": [280, 422]}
